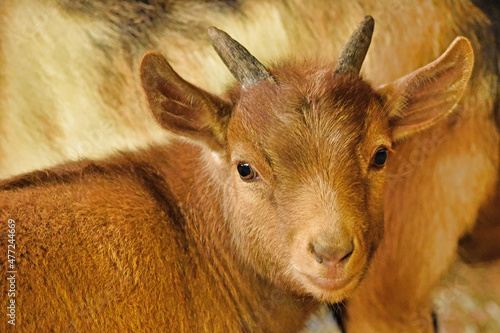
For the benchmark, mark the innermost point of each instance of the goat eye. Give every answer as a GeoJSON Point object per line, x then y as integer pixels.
{"type": "Point", "coordinates": [380, 157]}
{"type": "Point", "coordinates": [246, 171]}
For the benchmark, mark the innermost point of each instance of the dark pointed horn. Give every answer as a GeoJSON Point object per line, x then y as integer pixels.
{"type": "Point", "coordinates": [353, 54]}
{"type": "Point", "coordinates": [244, 67]}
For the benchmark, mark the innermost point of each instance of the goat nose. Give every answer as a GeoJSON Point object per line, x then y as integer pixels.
{"type": "Point", "coordinates": [331, 255]}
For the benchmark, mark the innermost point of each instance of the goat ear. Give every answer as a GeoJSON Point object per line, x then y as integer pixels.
{"type": "Point", "coordinates": [424, 97]}
{"type": "Point", "coordinates": [182, 107]}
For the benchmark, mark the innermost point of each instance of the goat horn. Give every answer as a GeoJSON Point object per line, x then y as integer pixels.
{"type": "Point", "coordinates": [353, 53]}
{"type": "Point", "coordinates": [244, 67]}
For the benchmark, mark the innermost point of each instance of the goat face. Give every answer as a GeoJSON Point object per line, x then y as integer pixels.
{"type": "Point", "coordinates": [307, 159]}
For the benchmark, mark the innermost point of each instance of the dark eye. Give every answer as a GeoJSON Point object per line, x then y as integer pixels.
{"type": "Point", "coordinates": [380, 157]}
{"type": "Point", "coordinates": [246, 171]}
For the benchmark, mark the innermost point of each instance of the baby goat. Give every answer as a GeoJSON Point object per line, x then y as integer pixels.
{"type": "Point", "coordinates": [273, 204]}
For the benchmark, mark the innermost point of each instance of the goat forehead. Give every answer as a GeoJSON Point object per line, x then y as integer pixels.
{"type": "Point", "coordinates": [311, 120]}
{"type": "Point", "coordinates": [314, 101]}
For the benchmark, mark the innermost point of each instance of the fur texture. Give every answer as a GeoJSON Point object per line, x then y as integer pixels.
{"type": "Point", "coordinates": [122, 251]}
{"type": "Point", "coordinates": [82, 99]}
{"type": "Point", "coordinates": [482, 242]}
{"type": "Point", "coordinates": [182, 232]}
{"type": "Point", "coordinates": [173, 239]}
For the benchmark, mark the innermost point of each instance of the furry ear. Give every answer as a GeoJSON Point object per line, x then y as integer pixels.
{"type": "Point", "coordinates": [424, 97]}
{"type": "Point", "coordinates": [182, 107]}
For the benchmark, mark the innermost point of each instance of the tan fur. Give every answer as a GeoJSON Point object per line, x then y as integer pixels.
{"type": "Point", "coordinates": [178, 232]}
{"type": "Point", "coordinates": [408, 35]}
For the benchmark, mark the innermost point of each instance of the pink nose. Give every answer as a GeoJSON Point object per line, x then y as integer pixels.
{"type": "Point", "coordinates": [331, 255]}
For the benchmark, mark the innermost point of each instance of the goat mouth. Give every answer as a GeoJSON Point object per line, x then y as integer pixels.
{"type": "Point", "coordinates": [330, 290]}
{"type": "Point", "coordinates": [328, 284]}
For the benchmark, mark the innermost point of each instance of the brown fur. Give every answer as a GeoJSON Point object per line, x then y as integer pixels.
{"type": "Point", "coordinates": [172, 238]}
{"type": "Point", "coordinates": [121, 251]}
{"type": "Point", "coordinates": [115, 119]}
{"type": "Point", "coordinates": [482, 242]}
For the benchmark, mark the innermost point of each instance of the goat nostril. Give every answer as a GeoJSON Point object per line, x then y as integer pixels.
{"type": "Point", "coordinates": [347, 256]}
{"type": "Point", "coordinates": [348, 250]}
